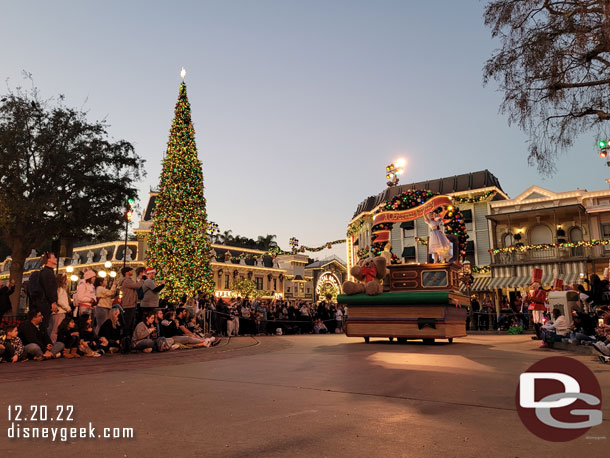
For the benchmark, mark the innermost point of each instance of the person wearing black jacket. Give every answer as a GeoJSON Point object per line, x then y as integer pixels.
{"type": "Point", "coordinates": [5, 301]}
{"type": "Point", "coordinates": [47, 303]}
{"type": "Point", "coordinates": [112, 330]}
{"type": "Point", "coordinates": [36, 338]}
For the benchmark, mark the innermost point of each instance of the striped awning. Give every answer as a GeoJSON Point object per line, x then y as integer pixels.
{"type": "Point", "coordinates": [571, 278]}
{"type": "Point", "coordinates": [480, 284]}
{"type": "Point", "coordinates": [499, 282]}
{"type": "Point", "coordinates": [518, 282]}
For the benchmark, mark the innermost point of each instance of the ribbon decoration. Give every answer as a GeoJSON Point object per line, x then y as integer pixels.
{"type": "Point", "coordinates": [390, 217]}
{"type": "Point", "coordinates": [369, 273]}
{"type": "Point", "coordinates": [412, 213]}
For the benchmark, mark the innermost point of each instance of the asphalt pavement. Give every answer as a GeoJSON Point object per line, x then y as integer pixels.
{"type": "Point", "coordinates": [294, 396]}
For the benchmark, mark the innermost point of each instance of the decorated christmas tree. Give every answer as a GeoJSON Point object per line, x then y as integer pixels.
{"type": "Point", "coordinates": [178, 245]}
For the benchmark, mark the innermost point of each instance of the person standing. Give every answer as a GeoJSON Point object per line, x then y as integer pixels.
{"type": "Point", "coordinates": [85, 293]}
{"type": "Point", "coordinates": [537, 300]}
{"type": "Point", "coordinates": [63, 306]}
{"type": "Point", "coordinates": [46, 302]}
{"type": "Point", "coordinates": [129, 287]}
{"type": "Point", "coordinates": [439, 245]}
{"type": "Point", "coordinates": [151, 290]}
{"type": "Point", "coordinates": [104, 301]}
{"type": "Point", "coordinates": [5, 301]}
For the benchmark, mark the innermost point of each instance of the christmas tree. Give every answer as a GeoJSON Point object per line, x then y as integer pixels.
{"type": "Point", "coordinates": [178, 245]}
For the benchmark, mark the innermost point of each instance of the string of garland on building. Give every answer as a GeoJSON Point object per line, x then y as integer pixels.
{"type": "Point", "coordinates": [489, 195]}
{"type": "Point", "coordinates": [547, 246]}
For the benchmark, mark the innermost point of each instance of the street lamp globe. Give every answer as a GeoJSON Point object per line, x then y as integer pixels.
{"type": "Point", "coordinates": [74, 278]}
{"type": "Point", "coordinates": [102, 274]}
{"type": "Point", "coordinates": [69, 269]}
{"type": "Point", "coordinates": [107, 264]}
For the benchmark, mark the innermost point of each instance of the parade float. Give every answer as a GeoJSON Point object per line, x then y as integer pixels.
{"type": "Point", "coordinates": [399, 300]}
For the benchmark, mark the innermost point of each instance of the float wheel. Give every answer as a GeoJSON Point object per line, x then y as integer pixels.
{"type": "Point", "coordinates": [366, 340]}
{"type": "Point", "coordinates": [428, 341]}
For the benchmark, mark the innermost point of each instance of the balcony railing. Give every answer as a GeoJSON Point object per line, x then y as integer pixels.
{"type": "Point", "coordinates": [549, 254]}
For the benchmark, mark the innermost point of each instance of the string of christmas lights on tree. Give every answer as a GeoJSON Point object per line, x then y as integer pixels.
{"type": "Point", "coordinates": [178, 242]}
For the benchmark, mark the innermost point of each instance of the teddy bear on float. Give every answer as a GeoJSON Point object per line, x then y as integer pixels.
{"type": "Point", "coordinates": [369, 272]}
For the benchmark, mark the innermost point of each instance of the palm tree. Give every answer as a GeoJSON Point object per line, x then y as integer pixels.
{"type": "Point", "coordinates": [266, 242]}
{"type": "Point", "coordinates": [226, 236]}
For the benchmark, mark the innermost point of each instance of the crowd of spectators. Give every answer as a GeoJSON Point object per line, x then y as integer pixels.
{"type": "Point", "coordinates": [241, 316]}
{"type": "Point", "coordinates": [129, 316]}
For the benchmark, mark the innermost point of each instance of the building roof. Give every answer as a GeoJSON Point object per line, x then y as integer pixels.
{"type": "Point", "coordinates": [448, 185]}
{"type": "Point", "coordinates": [150, 207]}
{"type": "Point", "coordinates": [324, 262]}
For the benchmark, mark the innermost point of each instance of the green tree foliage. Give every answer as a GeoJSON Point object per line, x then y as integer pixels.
{"type": "Point", "coordinates": [244, 288]}
{"type": "Point", "coordinates": [178, 242]}
{"type": "Point", "coordinates": [554, 69]}
{"type": "Point", "coordinates": [60, 175]}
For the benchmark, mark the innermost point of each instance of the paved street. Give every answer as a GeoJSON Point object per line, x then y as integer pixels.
{"type": "Point", "coordinates": [298, 396]}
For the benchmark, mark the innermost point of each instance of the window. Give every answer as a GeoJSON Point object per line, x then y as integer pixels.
{"type": "Point", "coordinates": [287, 289]}
{"type": "Point", "coordinates": [470, 247]}
{"type": "Point", "coordinates": [541, 235]}
{"type": "Point", "coordinates": [409, 253]}
{"type": "Point", "coordinates": [259, 283]}
{"type": "Point", "coordinates": [274, 284]}
{"type": "Point", "coordinates": [408, 228]}
{"type": "Point", "coordinates": [227, 281]}
{"type": "Point", "coordinates": [606, 235]}
{"type": "Point", "coordinates": [467, 214]}
{"type": "Point", "coordinates": [301, 287]}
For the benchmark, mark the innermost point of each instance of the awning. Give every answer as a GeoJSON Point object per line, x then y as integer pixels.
{"type": "Point", "coordinates": [571, 278]}
{"type": "Point", "coordinates": [480, 284]}
{"type": "Point", "coordinates": [518, 282]}
{"type": "Point", "coordinates": [547, 279]}
{"type": "Point", "coordinates": [499, 282]}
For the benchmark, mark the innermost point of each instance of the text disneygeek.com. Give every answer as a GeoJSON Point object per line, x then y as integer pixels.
{"type": "Point", "coordinates": [25, 423]}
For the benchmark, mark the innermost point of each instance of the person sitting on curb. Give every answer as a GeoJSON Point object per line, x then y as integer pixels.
{"type": "Point", "coordinates": [174, 327]}
{"type": "Point", "coordinates": [11, 347]}
{"type": "Point", "coordinates": [36, 339]}
{"type": "Point", "coordinates": [89, 337]}
{"type": "Point", "coordinates": [554, 331]}
{"type": "Point", "coordinates": [143, 332]}
{"type": "Point", "coordinates": [112, 330]}
{"type": "Point", "coordinates": [69, 336]}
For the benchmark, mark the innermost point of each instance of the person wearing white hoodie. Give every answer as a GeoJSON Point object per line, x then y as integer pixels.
{"type": "Point", "coordinates": [85, 293]}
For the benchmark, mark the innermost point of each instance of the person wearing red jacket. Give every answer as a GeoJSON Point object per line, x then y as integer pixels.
{"type": "Point", "coordinates": [537, 299]}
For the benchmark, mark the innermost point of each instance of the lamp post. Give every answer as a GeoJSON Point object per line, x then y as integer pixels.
{"type": "Point", "coordinates": [213, 229]}
{"type": "Point", "coordinates": [128, 216]}
{"type": "Point", "coordinates": [466, 280]}
{"type": "Point", "coordinates": [294, 243]}
{"type": "Point", "coordinates": [393, 170]}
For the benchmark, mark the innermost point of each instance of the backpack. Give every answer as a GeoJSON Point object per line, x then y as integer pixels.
{"type": "Point", "coordinates": [35, 291]}
{"type": "Point", "coordinates": [125, 345]}
{"type": "Point", "coordinates": [140, 293]}
{"type": "Point", "coordinates": [161, 344]}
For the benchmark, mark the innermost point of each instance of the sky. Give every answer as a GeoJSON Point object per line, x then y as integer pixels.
{"type": "Point", "coordinates": [298, 106]}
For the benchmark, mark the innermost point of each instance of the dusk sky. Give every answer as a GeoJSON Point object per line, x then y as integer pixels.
{"type": "Point", "coordinates": [298, 106]}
